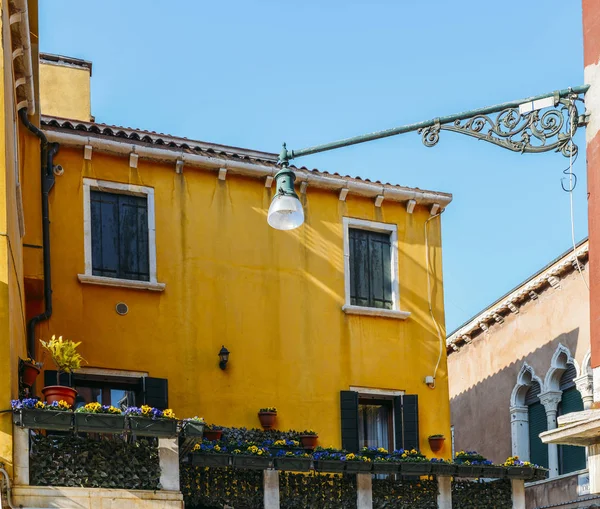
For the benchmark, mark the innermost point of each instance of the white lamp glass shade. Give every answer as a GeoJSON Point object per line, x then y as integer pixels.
{"type": "Point", "coordinates": [285, 212]}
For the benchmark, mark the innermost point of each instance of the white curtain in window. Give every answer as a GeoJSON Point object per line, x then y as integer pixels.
{"type": "Point", "coordinates": [373, 426]}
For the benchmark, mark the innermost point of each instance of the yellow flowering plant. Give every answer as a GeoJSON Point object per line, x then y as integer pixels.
{"type": "Point", "coordinates": [252, 450]}
{"type": "Point", "coordinates": [97, 408]}
{"type": "Point", "coordinates": [64, 354]}
{"type": "Point", "coordinates": [514, 461]}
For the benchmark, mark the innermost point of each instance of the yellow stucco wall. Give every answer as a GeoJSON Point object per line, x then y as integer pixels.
{"type": "Point", "coordinates": [272, 298]}
{"type": "Point", "coordinates": [65, 91]}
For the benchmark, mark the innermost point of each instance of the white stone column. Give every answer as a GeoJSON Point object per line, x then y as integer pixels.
{"type": "Point", "coordinates": [550, 400]}
{"type": "Point", "coordinates": [364, 491]}
{"type": "Point", "coordinates": [271, 488]}
{"type": "Point", "coordinates": [585, 386]}
{"type": "Point", "coordinates": [168, 457]}
{"type": "Point", "coordinates": [444, 498]}
{"type": "Point", "coordinates": [594, 468]}
{"type": "Point", "coordinates": [518, 493]}
{"type": "Point", "coordinates": [519, 430]}
{"type": "Point", "coordinates": [20, 456]}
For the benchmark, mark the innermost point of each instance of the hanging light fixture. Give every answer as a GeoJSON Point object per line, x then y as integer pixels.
{"type": "Point", "coordinates": [285, 212]}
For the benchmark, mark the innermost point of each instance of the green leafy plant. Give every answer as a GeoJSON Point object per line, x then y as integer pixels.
{"type": "Point", "coordinates": [479, 494]}
{"type": "Point", "coordinates": [436, 436]}
{"type": "Point", "coordinates": [97, 408]}
{"type": "Point", "coordinates": [64, 354]}
{"type": "Point", "coordinates": [393, 493]}
{"type": "Point", "coordinates": [269, 409]}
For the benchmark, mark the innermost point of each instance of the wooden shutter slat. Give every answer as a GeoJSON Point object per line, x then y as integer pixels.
{"type": "Point", "coordinates": [538, 452]}
{"type": "Point", "coordinates": [349, 420]}
{"type": "Point", "coordinates": [134, 262]}
{"type": "Point", "coordinates": [571, 458]}
{"type": "Point", "coordinates": [410, 417]}
{"type": "Point", "coordinates": [105, 234]}
{"type": "Point", "coordinates": [376, 272]}
{"type": "Point", "coordinates": [398, 424]}
{"type": "Point", "coordinates": [359, 262]}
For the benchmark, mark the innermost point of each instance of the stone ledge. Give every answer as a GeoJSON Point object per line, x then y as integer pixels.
{"type": "Point", "coordinates": [573, 417]}
{"type": "Point", "coordinates": [581, 433]}
{"type": "Point", "coordinates": [94, 498]}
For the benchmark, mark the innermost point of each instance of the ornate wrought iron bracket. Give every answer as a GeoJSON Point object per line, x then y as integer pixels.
{"type": "Point", "coordinates": [542, 123]}
{"type": "Point", "coordinates": [539, 130]}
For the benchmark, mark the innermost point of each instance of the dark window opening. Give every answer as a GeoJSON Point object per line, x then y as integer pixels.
{"type": "Point", "coordinates": [119, 236]}
{"type": "Point", "coordinates": [370, 269]}
{"type": "Point", "coordinates": [375, 423]}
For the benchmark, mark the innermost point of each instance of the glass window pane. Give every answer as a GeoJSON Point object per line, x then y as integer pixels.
{"type": "Point", "coordinates": [374, 426]}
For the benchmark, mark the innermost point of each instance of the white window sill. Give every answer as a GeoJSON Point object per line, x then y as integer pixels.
{"type": "Point", "coordinates": [387, 313]}
{"type": "Point", "coordinates": [121, 283]}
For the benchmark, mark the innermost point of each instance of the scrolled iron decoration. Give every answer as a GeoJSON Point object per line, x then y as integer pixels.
{"type": "Point", "coordinates": [532, 132]}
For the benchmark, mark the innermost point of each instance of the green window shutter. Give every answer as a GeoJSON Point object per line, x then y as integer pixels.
{"type": "Point", "coordinates": [370, 269]}
{"type": "Point", "coordinates": [571, 458]}
{"type": "Point", "coordinates": [406, 421]}
{"type": "Point", "coordinates": [156, 392]}
{"type": "Point", "coordinates": [538, 452]}
{"type": "Point", "coordinates": [349, 414]}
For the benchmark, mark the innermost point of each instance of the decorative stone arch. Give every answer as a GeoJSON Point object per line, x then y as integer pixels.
{"type": "Point", "coordinates": [558, 365]}
{"type": "Point", "coordinates": [584, 382]}
{"type": "Point", "coordinates": [519, 415]}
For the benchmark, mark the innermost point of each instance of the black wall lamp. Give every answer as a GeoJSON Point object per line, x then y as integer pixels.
{"type": "Point", "coordinates": [223, 357]}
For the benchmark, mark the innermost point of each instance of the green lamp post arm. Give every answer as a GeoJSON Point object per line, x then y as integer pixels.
{"type": "Point", "coordinates": [519, 126]}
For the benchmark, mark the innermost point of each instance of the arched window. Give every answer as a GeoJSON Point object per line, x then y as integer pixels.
{"type": "Point", "coordinates": [538, 452]}
{"type": "Point", "coordinates": [570, 458]}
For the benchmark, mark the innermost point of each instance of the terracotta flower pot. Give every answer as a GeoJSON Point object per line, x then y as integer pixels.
{"type": "Point", "coordinates": [267, 419]}
{"type": "Point", "coordinates": [436, 443]}
{"type": "Point", "coordinates": [212, 434]}
{"type": "Point", "coordinates": [309, 441]}
{"type": "Point", "coordinates": [54, 393]}
{"type": "Point", "coordinates": [30, 373]}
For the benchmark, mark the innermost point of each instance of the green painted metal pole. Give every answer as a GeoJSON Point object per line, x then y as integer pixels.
{"type": "Point", "coordinates": [287, 155]}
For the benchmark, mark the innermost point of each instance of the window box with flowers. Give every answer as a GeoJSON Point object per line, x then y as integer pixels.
{"type": "Point", "coordinates": [412, 462]}
{"type": "Point", "coordinates": [251, 456]}
{"type": "Point", "coordinates": [517, 469]}
{"type": "Point", "coordinates": [442, 467]}
{"type": "Point", "coordinates": [357, 463]}
{"type": "Point", "coordinates": [193, 427]}
{"type": "Point", "coordinates": [147, 421]}
{"type": "Point", "coordinates": [385, 464]}
{"type": "Point", "coordinates": [329, 460]}
{"type": "Point", "coordinates": [97, 418]}
{"type": "Point", "coordinates": [282, 446]}
{"type": "Point", "coordinates": [210, 454]}
{"type": "Point", "coordinates": [294, 461]}
{"type": "Point", "coordinates": [470, 463]}
{"type": "Point", "coordinates": [34, 414]}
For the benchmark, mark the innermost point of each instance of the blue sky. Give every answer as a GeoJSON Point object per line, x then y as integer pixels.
{"type": "Point", "coordinates": [256, 73]}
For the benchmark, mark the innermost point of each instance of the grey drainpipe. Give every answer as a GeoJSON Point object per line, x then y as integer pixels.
{"type": "Point", "coordinates": [48, 151]}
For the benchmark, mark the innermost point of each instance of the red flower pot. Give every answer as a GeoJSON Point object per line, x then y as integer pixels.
{"type": "Point", "coordinates": [436, 443]}
{"type": "Point", "coordinates": [54, 393]}
{"type": "Point", "coordinates": [212, 434]}
{"type": "Point", "coordinates": [267, 419]}
{"type": "Point", "coordinates": [309, 441]}
{"type": "Point", "coordinates": [29, 374]}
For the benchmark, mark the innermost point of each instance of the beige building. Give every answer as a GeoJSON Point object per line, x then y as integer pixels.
{"type": "Point", "coordinates": [518, 365]}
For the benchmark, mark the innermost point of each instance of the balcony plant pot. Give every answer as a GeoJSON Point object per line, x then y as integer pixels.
{"type": "Point", "coordinates": [309, 441]}
{"type": "Point", "coordinates": [493, 472]}
{"type": "Point", "coordinates": [145, 427]}
{"type": "Point", "coordinates": [29, 374]}
{"type": "Point", "coordinates": [267, 419]}
{"type": "Point", "coordinates": [415, 468]}
{"type": "Point", "coordinates": [330, 465]}
{"type": "Point", "coordinates": [524, 473]}
{"type": "Point", "coordinates": [385, 467]}
{"type": "Point", "coordinates": [211, 460]}
{"type": "Point", "coordinates": [540, 474]}
{"type": "Point", "coordinates": [99, 423]}
{"type": "Point", "coordinates": [293, 464]}
{"type": "Point", "coordinates": [213, 434]}
{"type": "Point", "coordinates": [436, 443]}
{"type": "Point", "coordinates": [469, 470]}
{"type": "Point", "coordinates": [194, 429]}
{"type": "Point", "coordinates": [445, 469]}
{"type": "Point", "coordinates": [43, 419]}
{"type": "Point", "coordinates": [358, 466]}
{"type": "Point", "coordinates": [255, 462]}
{"type": "Point", "coordinates": [57, 393]}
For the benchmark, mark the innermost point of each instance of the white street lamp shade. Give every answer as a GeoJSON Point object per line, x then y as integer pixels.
{"type": "Point", "coordinates": [285, 212]}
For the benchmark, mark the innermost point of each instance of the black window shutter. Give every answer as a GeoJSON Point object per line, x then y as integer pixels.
{"type": "Point", "coordinates": [105, 233]}
{"type": "Point", "coordinates": [410, 417]}
{"type": "Point", "coordinates": [571, 457]}
{"type": "Point", "coordinates": [406, 421]}
{"type": "Point", "coordinates": [349, 414]}
{"type": "Point", "coordinates": [538, 423]}
{"type": "Point", "coordinates": [133, 238]}
{"type": "Point", "coordinates": [370, 269]}
{"type": "Point", "coordinates": [156, 392]}
{"type": "Point", "coordinates": [50, 378]}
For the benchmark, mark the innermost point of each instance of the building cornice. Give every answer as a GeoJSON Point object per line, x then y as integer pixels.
{"type": "Point", "coordinates": [20, 41]}
{"type": "Point", "coordinates": [546, 279]}
{"type": "Point", "coordinates": [183, 153]}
